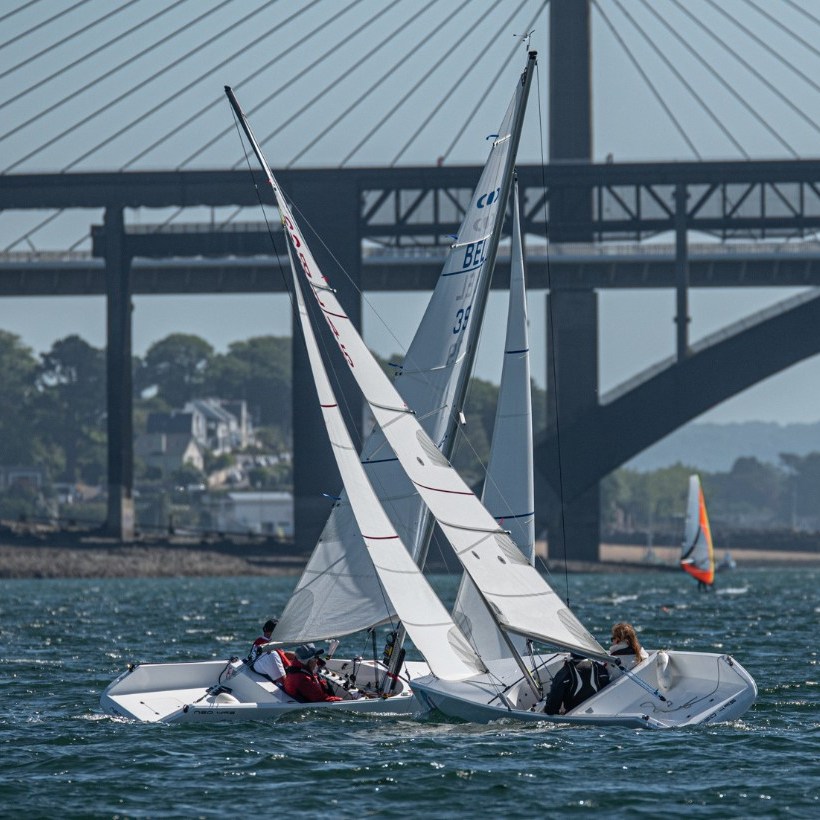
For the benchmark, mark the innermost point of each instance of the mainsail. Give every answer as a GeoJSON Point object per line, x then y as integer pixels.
{"type": "Point", "coordinates": [432, 382]}
{"type": "Point", "coordinates": [508, 485]}
{"type": "Point", "coordinates": [697, 554]}
{"type": "Point", "coordinates": [520, 599]}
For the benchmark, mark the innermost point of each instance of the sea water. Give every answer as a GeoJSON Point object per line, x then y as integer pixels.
{"type": "Point", "coordinates": [63, 641]}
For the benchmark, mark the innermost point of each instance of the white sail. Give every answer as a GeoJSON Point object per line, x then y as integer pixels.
{"type": "Point", "coordinates": [436, 367]}
{"type": "Point", "coordinates": [520, 598]}
{"type": "Point", "coordinates": [697, 553]}
{"type": "Point", "coordinates": [508, 486]}
{"type": "Point", "coordinates": [426, 620]}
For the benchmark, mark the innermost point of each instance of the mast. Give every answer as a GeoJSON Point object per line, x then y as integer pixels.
{"type": "Point", "coordinates": [479, 305]}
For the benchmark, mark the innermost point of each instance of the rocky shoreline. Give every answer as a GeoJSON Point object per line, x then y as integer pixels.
{"type": "Point", "coordinates": [101, 558]}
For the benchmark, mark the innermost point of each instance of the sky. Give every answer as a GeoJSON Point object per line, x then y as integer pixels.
{"type": "Point", "coordinates": [749, 101]}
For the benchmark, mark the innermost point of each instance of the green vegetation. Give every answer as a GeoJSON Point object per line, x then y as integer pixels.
{"type": "Point", "coordinates": [52, 417]}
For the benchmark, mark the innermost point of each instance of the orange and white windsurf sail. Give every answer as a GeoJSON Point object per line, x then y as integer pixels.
{"type": "Point", "coordinates": [697, 554]}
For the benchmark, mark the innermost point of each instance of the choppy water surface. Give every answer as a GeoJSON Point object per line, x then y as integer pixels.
{"type": "Point", "coordinates": [61, 642]}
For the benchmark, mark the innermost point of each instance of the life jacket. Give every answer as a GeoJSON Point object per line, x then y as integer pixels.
{"type": "Point", "coordinates": [252, 659]}
{"type": "Point", "coordinates": [586, 678]}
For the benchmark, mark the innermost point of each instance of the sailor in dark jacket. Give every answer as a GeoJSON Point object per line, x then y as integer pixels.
{"type": "Point", "coordinates": [580, 678]}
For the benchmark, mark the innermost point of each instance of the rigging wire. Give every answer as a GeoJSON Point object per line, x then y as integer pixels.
{"type": "Point", "coordinates": [551, 346]}
{"type": "Point", "coordinates": [655, 93]}
{"type": "Point", "coordinates": [139, 85]}
{"type": "Point", "coordinates": [719, 77]}
{"type": "Point", "coordinates": [41, 24]}
{"type": "Point", "coordinates": [67, 38]}
{"type": "Point", "coordinates": [64, 69]}
{"type": "Point", "coordinates": [457, 83]}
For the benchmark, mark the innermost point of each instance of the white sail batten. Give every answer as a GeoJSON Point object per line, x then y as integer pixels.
{"type": "Point", "coordinates": [427, 621]}
{"type": "Point", "coordinates": [508, 486]}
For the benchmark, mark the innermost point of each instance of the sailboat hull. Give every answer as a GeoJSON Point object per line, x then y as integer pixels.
{"type": "Point", "coordinates": [668, 690]}
{"type": "Point", "coordinates": [227, 690]}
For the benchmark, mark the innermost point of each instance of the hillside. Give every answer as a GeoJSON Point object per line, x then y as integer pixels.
{"type": "Point", "coordinates": [716, 447]}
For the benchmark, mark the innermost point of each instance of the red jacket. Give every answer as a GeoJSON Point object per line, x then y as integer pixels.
{"type": "Point", "coordinates": [306, 686]}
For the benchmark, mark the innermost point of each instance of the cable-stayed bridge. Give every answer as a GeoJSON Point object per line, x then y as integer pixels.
{"type": "Point", "coordinates": [383, 95]}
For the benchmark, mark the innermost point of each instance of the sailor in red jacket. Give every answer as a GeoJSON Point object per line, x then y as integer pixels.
{"type": "Point", "coordinates": [302, 682]}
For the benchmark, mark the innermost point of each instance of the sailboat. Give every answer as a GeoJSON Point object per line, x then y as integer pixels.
{"type": "Point", "coordinates": [364, 569]}
{"type": "Point", "coordinates": [511, 633]}
{"type": "Point", "coordinates": [697, 555]}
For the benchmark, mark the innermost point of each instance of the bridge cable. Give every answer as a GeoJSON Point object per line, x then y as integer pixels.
{"type": "Point", "coordinates": [383, 78]}
{"type": "Point", "coordinates": [794, 35]}
{"type": "Point", "coordinates": [342, 75]}
{"type": "Point", "coordinates": [177, 93]}
{"type": "Point", "coordinates": [746, 64]}
{"type": "Point", "coordinates": [655, 93]}
{"type": "Point", "coordinates": [19, 8]}
{"type": "Point", "coordinates": [64, 69]}
{"type": "Point", "coordinates": [739, 97]}
{"type": "Point", "coordinates": [328, 53]}
{"type": "Point", "coordinates": [803, 11]}
{"type": "Point", "coordinates": [59, 43]}
{"type": "Point", "coordinates": [446, 54]}
{"type": "Point", "coordinates": [280, 55]}
{"type": "Point", "coordinates": [40, 25]}
{"type": "Point", "coordinates": [459, 81]}
{"type": "Point", "coordinates": [139, 85]}
{"type": "Point", "coordinates": [184, 89]}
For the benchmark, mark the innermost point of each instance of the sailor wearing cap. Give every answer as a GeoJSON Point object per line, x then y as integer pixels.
{"type": "Point", "coordinates": [301, 680]}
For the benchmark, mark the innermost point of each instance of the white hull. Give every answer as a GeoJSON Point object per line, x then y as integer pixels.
{"type": "Point", "coordinates": [692, 688]}
{"type": "Point", "coordinates": [227, 690]}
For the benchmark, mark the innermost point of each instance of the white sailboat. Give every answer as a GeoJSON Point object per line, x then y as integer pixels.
{"type": "Point", "coordinates": [363, 570]}
{"type": "Point", "coordinates": [697, 555]}
{"type": "Point", "coordinates": [667, 689]}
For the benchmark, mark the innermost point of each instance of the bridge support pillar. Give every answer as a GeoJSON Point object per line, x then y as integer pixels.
{"type": "Point", "coordinates": [314, 467]}
{"type": "Point", "coordinates": [120, 517]}
{"type": "Point", "coordinates": [681, 273]}
{"type": "Point", "coordinates": [573, 524]}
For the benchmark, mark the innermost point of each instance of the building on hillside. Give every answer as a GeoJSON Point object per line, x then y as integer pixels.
{"type": "Point", "coordinates": [21, 475]}
{"type": "Point", "coordinates": [169, 451]}
{"type": "Point", "coordinates": [263, 513]}
{"type": "Point", "coordinates": [218, 426]}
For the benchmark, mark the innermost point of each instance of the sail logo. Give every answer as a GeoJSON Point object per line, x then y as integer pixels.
{"type": "Point", "coordinates": [485, 200]}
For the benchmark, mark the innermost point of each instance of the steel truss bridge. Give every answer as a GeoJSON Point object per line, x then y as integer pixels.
{"type": "Point", "coordinates": [389, 229]}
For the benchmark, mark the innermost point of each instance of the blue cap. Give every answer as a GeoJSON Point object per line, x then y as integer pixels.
{"type": "Point", "coordinates": [307, 651]}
